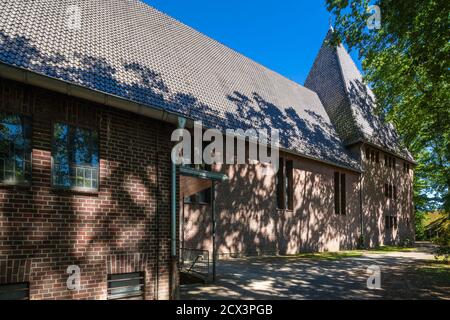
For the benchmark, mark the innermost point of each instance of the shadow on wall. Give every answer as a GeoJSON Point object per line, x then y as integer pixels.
{"type": "Point", "coordinates": [249, 223]}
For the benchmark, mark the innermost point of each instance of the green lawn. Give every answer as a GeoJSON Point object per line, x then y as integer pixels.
{"type": "Point", "coordinates": [384, 249]}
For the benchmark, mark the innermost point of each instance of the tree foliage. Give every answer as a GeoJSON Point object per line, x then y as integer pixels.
{"type": "Point", "coordinates": [407, 63]}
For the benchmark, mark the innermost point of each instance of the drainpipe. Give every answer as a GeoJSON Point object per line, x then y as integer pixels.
{"type": "Point", "coordinates": [361, 196]}
{"type": "Point", "coordinates": [181, 125]}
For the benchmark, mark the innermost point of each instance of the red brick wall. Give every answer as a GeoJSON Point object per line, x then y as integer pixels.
{"type": "Point", "coordinates": [51, 229]}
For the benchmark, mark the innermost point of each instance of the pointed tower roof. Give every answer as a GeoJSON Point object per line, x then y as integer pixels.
{"type": "Point", "coordinates": [349, 102]}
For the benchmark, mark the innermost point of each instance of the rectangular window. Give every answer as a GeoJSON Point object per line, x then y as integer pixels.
{"type": "Point", "coordinates": [126, 286]}
{"type": "Point", "coordinates": [386, 190]}
{"type": "Point", "coordinates": [387, 222]}
{"type": "Point", "coordinates": [395, 193]}
{"type": "Point", "coordinates": [339, 193]}
{"type": "Point", "coordinates": [343, 194]}
{"type": "Point", "coordinates": [15, 149]}
{"type": "Point", "coordinates": [15, 291]}
{"type": "Point", "coordinates": [75, 158]}
{"type": "Point", "coordinates": [289, 190]}
{"type": "Point", "coordinates": [279, 185]}
{"type": "Point", "coordinates": [391, 222]}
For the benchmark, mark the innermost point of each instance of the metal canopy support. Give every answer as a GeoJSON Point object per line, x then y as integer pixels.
{"type": "Point", "coordinates": [202, 174]}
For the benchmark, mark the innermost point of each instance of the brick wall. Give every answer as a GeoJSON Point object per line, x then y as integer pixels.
{"type": "Point", "coordinates": [249, 223]}
{"type": "Point", "coordinates": [48, 230]}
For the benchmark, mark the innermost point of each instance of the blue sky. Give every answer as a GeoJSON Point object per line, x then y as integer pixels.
{"type": "Point", "coordinates": [285, 36]}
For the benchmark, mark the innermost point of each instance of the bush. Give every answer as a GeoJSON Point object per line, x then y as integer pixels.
{"type": "Point", "coordinates": [443, 240]}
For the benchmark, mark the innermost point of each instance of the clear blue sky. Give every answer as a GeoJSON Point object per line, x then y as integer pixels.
{"type": "Point", "coordinates": [283, 35]}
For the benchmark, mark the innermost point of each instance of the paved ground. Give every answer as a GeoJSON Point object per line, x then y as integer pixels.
{"type": "Point", "coordinates": [297, 278]}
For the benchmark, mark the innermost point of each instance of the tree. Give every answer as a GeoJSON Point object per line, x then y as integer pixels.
{"type": "Point", "coordinates": [406, 62]}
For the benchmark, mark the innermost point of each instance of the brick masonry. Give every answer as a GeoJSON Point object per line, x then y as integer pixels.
{"type": "Point", "coordinates": [249, 223]}
{"type": "Point", "coordinates": [44, 230]}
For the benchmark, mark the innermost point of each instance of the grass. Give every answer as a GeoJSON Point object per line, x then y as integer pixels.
{"type": "Point", "coordinates": [385, 249]}
{"type": "Point", "coordinates": [343, 254]}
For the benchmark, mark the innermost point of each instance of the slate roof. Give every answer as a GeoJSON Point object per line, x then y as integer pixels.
{"type": "Point", "coordinates": [349, 102]}
{"type": "Point", "coordinates": [128, 49]}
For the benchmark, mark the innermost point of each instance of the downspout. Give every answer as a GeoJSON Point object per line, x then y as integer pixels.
{"type": "Point", "coordinates": [362, 237]}
{"type": "Point", "coordinates": [181, 125]}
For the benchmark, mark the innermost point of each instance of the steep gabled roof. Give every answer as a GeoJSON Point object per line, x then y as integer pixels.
{"type": "Point", "coordinates": [130, 50]}
{"type": "Point", "coordinates": [349, 102]}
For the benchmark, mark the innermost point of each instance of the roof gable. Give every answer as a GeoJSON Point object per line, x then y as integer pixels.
{"type": "Point", "coordinates": [350, 102]}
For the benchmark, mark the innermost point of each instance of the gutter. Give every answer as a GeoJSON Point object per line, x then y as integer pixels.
{"type": "Point", "coordinates": [74, 90]}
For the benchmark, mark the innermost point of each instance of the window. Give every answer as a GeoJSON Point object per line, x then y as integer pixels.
{"type": "Point", "coordinates": [289, 200]}
{"type": "Point", "coordinates": [279, 185]}
{"type": "Point", "coordinates": [202, 197]}
{"type": "Point", "coordinates": [126, 286]}
{"type": "Point", "coordinates": [339, 193]}
{"type": "Point", "coordinates": [390, 191]}
{"type": "Point", "coordinates": [405, 167]}
{"type": "Point", "coordinates": [15, 291]}
{"type": "Point", "coordinates": [390, 222]}
{"type": "Point", "coordinates": [75, 157]}
{"type": "Point", "coordinates": [15, 149]}
{"type": "Point", "coordinates": [285, 185]}
{"type": "Point", "coordinates": [372, 155]}
{"type": "Point", "coordinates": [389, 162]}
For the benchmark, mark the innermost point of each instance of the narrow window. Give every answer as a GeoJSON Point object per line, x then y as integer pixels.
{"type": "Point", "coordinates": [386, 190]}
{"type": "Point", "coordinates": [368, 154]}
{"type": "Point", "coordinates": [337, 192]}
{"type": "Point", "coordinates": [289, 204]}
{"type": "Point", "coordinates": [395, 222]}
{"type": "Point", "coordinates": [15, 291]}
{"type": "Point", "coordinates": [390, 191]}
{"type": "Point", "coordinates": [387, 222]}
{"type": "Point", "coordinates": [395, 192]}
{"type": "Point", "coordinates": [75, 157]}
{"type": "Point", "coordinates": [386, 160]}
{"type": "Point", "coordinates": [343, 194]}
{"type": "Point", "coordinates": [126, 286]}
{"type": "Point", "coordinates": [393, 163]}
{"type": "Point", "coordinates": [15, 149]}
{"type": "Point", "coordinates": [280, 184]}
{"type": "Point", "coordinates": [377, 157]}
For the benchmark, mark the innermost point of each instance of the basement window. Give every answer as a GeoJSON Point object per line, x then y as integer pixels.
{"type": "Point", "coordinates": [340, 196]}
{"type": "Point", "coordinates": [126, 286]}
{"type": "Point", "coordinates": [15, 291]}
{"type": "Point", "coordinates": [15, 149]}
{"type": "Point", "coordinates": [75, 158]}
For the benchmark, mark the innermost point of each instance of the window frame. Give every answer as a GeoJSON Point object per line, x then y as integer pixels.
{"type": "Point", "coordinates": [24, 183]}
{"type": "Point", "coordinates": [52, 163]}
{"type": "Point", "coordinates": [340, 193]}
{"type": "Point", "coordinates": [289, 192]}
{"type": "Point", "coordinates": [139, 275]}
{"type": "Point", "coordinates": [279, 186]}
